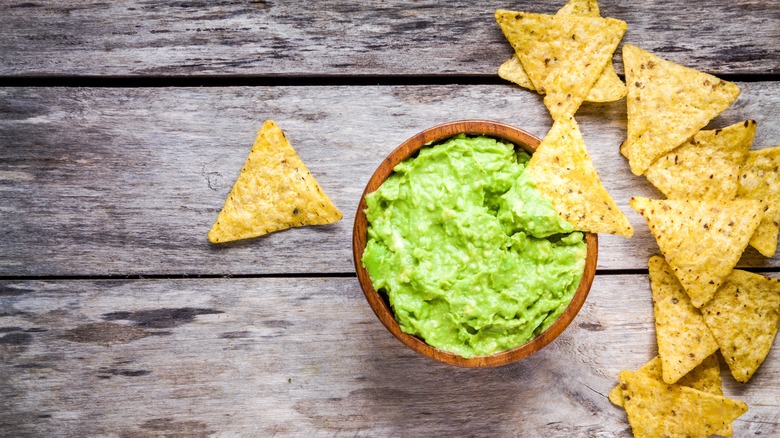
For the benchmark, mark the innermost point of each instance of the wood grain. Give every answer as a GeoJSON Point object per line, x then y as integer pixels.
{"type": "Point", "coordinates": [306, 357]}
{"type": "Point", "coordinates": [293, 38]}
{"type": "Point", "coordinates": [126, 182]}
{"type": "Point", "coordinates": [99, 181]}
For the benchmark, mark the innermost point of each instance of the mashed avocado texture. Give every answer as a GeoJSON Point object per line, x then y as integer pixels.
{"type": "Point", "coordinates": [473, 259]}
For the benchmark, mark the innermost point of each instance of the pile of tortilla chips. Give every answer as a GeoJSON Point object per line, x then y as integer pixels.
{"type": "Point", "coordinates": [722, 197]}
{"type": "Point", "coordinates": [274, 191]}
{"type": "Point", "coordinates": [667, 106]}
{"type": "Point", "coordinates": [568, 58]}
{"type": "Point", "coordinates": [679, 392]}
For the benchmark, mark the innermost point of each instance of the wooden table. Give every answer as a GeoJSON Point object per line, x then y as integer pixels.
{"type": "Point", "coordinates": [122, 128]}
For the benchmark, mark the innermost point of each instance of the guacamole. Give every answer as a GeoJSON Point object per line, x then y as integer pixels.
{"type": "Point", "coordinates": [473, 259]}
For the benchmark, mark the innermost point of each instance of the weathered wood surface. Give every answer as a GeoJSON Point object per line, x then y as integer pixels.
{"type": "Point", "coordinates": [121, 182]}
{"type": "Point", "coordinates": [291, 38]}
{"type": "Point", "coordinates": [129, 181]}
{"type": "Point", "coordinates": [306, 357]}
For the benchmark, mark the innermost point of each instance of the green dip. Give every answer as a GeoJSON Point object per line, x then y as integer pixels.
{"type": "Point", "coordinates": [473, 259]}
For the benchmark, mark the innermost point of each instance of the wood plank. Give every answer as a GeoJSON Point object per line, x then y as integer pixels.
{"type": "Point", "coordinates": [306, 357]}
{"type": "Point", "coordinates": [129, 181]}
{"type": "Point", "coordinates": [291, 38]}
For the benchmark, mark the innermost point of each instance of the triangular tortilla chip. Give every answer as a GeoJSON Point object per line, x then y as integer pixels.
{"type": "Point", "coordinates": [744, 316]}
{"type": "Point", "coordinates": [563, 55]}
{"type": "Point", "coordinates": [701, 240]}
{"type": "Point", "coordinates": [705, 377]}
{"type": "Point", "coordinates": [667, 104]}
{"type": "Point", "coordinates": [608, 86]}
{"type": "Point", "coordinates": [274, 191]}
{"type": "Point", "coordinates": [707, 166]}
{"type": "Point", "coordinates": [684, 340]}
{"type": "Point", "coordinates": [761, 180]}
{"type": "Point", "coordinates": [562, 170]}
{"type": "Point", "coordinates": [656, 409]}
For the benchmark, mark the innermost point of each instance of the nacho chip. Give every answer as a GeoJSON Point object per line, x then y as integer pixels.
{"type": "Point", "coordinates": [667, 104]}
{"type": "Point", "coordinates": [761, 180]}
{"type": "Point", "coordinates": [563, 55]}
{"type": "Point", "coordinates": [656, 409]}
{"type": "Point", "coordinates": [274, 191]}
{"type": "Point", "coordinates": [608, 86]}
{"type": "Point", "coordinates": [744, 316]}
{"type": "Point", "coordinates": [707, 166]}
{"type": "Point", "coordinates": [651, 369]}
{"type": "Point", "coordinates": [562, 170]}
{"type": "Point", "coordinates": [684, 340]}
{"type": "Point", "coordinates": [512, 71]}
{"type": "Point", "coordinates": [705, 377]}
{"type": "Point", "coordinates": [701, 240]}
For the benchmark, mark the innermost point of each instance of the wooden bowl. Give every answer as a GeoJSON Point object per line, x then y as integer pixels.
{"type": "Point", "coordinates": [380, 305]}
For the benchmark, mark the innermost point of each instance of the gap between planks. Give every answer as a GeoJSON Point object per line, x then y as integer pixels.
{"type": "Point", "coordinates": [295, 80]}
{"type": "Point", "coordinates": [601, 272]}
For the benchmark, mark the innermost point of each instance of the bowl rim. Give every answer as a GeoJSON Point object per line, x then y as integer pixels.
{"type": "Point", "coordinates": [381, 308]}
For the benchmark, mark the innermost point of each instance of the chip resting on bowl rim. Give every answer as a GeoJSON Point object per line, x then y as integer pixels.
{"type": "Point", "coordinates": [562, 169]}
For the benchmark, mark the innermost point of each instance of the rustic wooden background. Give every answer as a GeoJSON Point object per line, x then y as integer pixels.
{"type": "Point", "coordinates": [123, 126]}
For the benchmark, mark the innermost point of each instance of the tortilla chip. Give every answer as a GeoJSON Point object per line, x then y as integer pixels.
{"type": "Point", "coordinates": [744, 316]}
{"type": "Point", "coordinates": [707, 166]}
{"type": "Point", "coordinates": [667, 104]}
{"type": "Point", "coordinates": [761, 180]}
{"type": "Point", "coordinates": [684, 340]}
{"type": "Point", "coordinates": [562, 170]}
{"type": "Point", "coordinates": [563, 55]}
{"type": "Point", "coordinates": [701, 240]}
{"type": "Point", "coordinates": [512, 70]}
{"type": "Point", "coordinates": [705, 377]}
{"type": "Point", "coordinates": [656, 409]}
{"type": "Point", "coordinates": [608, 86]}
{"type": "Point", "coordinates": [274, 191]}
